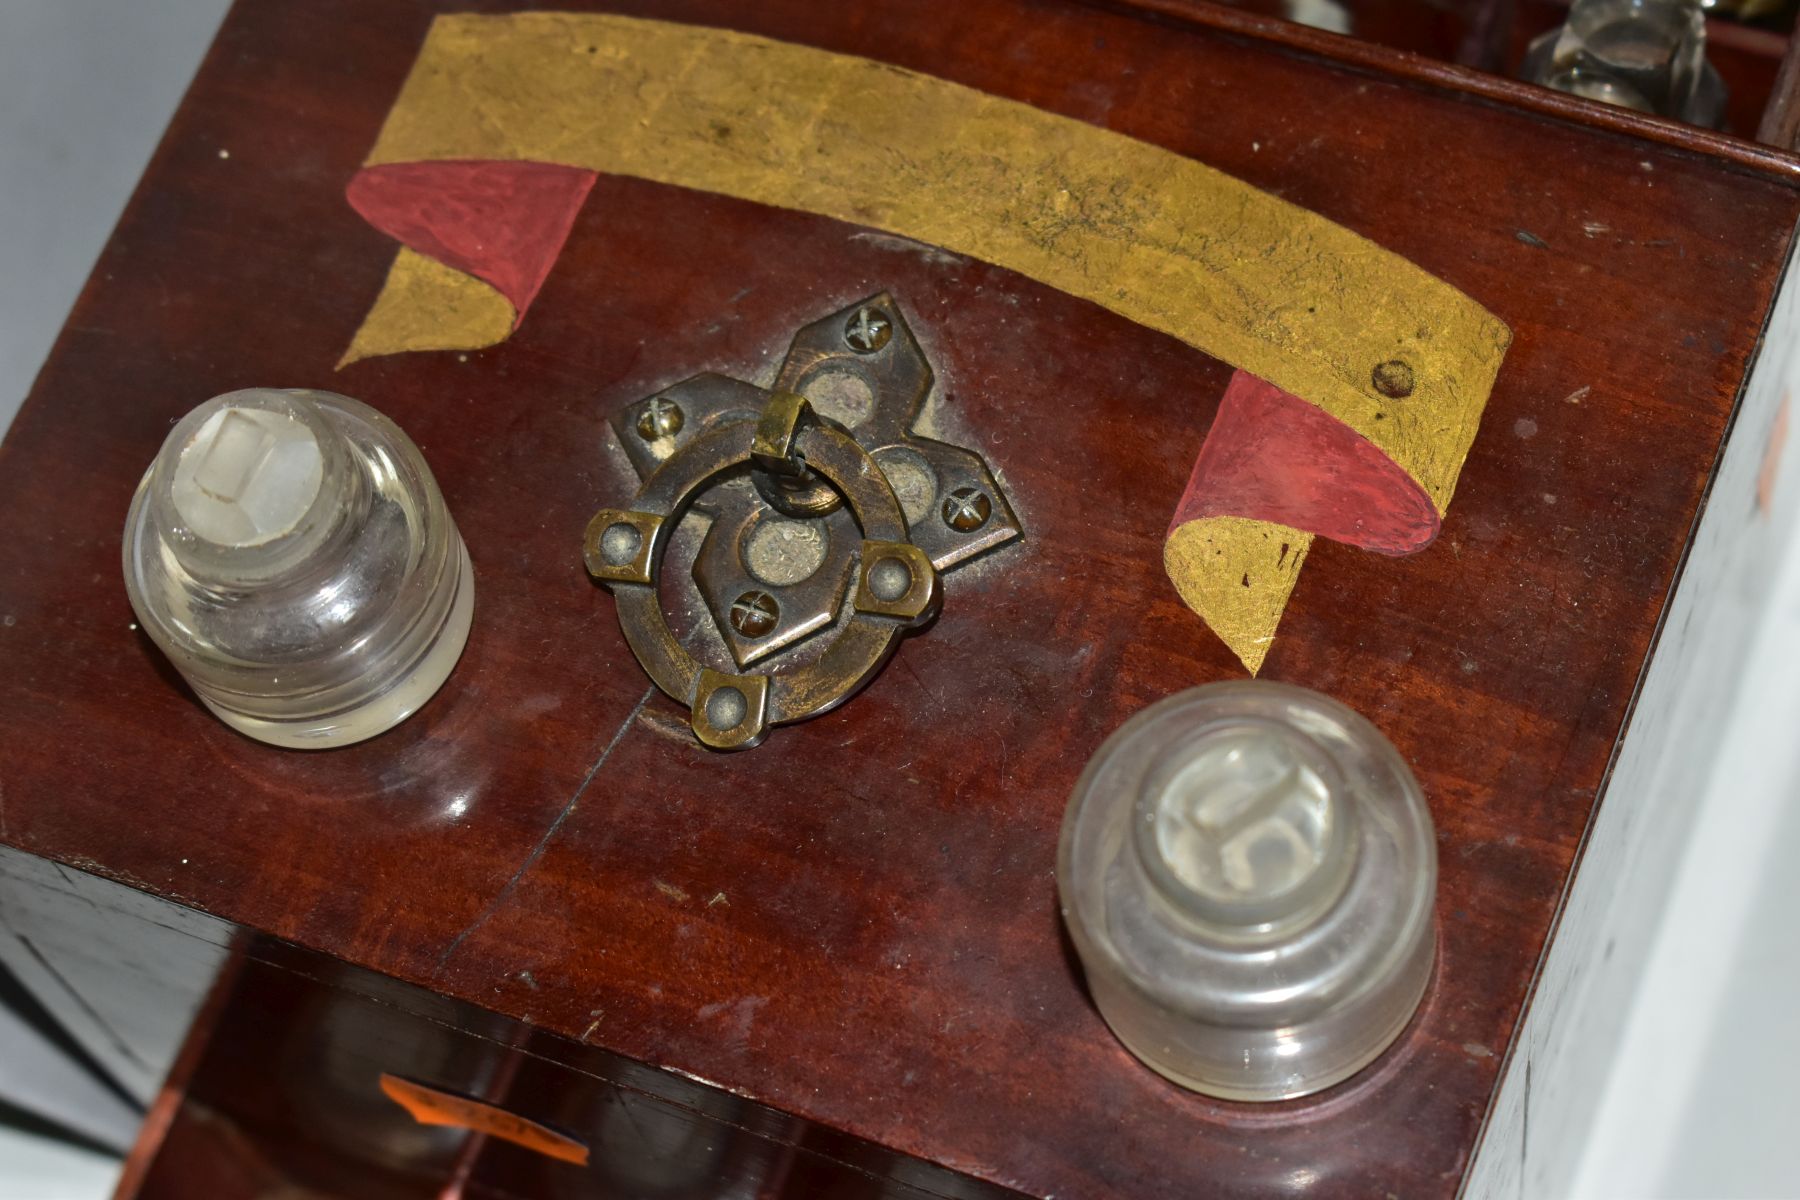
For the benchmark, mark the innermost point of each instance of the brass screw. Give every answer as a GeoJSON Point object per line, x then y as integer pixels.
{"type": "Point", "coordinates": [967, 509]}
{"type": "Point", "coordinates": [754, 614]}
{"type": "Point", "coordinates": [659, 418]}
{"type": "Point", "coordinates": [1393, 379]}
{"type": "Point", "coordinates": [868, 330]}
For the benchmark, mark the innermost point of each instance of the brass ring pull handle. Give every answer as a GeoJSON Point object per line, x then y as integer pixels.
{"type": "Point", "coordinates": [896, 585]}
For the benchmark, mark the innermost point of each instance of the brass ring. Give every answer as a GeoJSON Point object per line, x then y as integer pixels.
{"type": "Point", "coordinates": [896, 587]}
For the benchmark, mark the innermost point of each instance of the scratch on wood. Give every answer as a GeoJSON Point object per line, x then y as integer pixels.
{"type": "Point", "coordinates": [669, 726]}
{"type": "Point", "coordinates": [670, 890]}
{"type": "Point", "coordinates": [1531, 239]}
{"type": "Point", "coordinates": [920, 680]}
{"type": "Point", "coordinates": [543, 843]}
{"type": "Point", "coordinates": [929, 253]}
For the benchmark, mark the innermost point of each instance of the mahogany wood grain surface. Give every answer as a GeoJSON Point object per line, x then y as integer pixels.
{"type": "Point", "coordinates": [857, 922]}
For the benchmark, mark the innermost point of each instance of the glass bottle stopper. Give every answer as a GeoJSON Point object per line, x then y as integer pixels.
{"type": "Point", "coordinates": [1247, 871]}
{"type": "Point", "coordinates": [291, 554]}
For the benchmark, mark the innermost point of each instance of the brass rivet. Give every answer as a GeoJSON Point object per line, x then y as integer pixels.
{"type": "Point", "coordinates": [620, 544]}
{"type": "Point", "coordinates": [1393, 379]}
{"type": "Point", "coordinates": [890, 579]}
{"type": "Point", "coordinates": [725, 709]}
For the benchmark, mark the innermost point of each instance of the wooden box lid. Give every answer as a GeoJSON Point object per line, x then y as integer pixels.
{"type": "Point", "coordinates": [857, 922]}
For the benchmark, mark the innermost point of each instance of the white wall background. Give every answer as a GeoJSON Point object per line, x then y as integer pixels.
{"type": "Point", "coordinates": [1702, 1101]}
{"type": "Point", "coordinates": [86, 87]}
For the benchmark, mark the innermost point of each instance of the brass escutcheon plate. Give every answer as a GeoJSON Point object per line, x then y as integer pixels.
{"type": "Point", "coordinates": [820, 492]}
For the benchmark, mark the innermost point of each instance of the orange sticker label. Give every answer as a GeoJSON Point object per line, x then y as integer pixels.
{"type": "Point", "coordinates": [434, 1106]}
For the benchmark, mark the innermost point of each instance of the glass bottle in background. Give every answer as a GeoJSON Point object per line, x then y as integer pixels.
{"type": "Point", "coordinates": [1647, 55]}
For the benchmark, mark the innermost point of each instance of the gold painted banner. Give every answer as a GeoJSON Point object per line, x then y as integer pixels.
{"type": "Point", "coordinates": [1159, 239]}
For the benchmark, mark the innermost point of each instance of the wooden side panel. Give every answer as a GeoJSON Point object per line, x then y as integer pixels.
{"type": "Point", "coordinates": [1569, 1036]}
{"type": "Point", "coordinates": [284, 1097]}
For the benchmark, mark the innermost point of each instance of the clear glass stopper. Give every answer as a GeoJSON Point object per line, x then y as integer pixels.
{"type": "Point", "coordinates": [291, 554]}
{"type": "Point", "coordinates": [1247, 871]}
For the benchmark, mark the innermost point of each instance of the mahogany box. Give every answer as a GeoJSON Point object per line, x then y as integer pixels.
{"type": "Point", "coordinates": [537, 940]}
